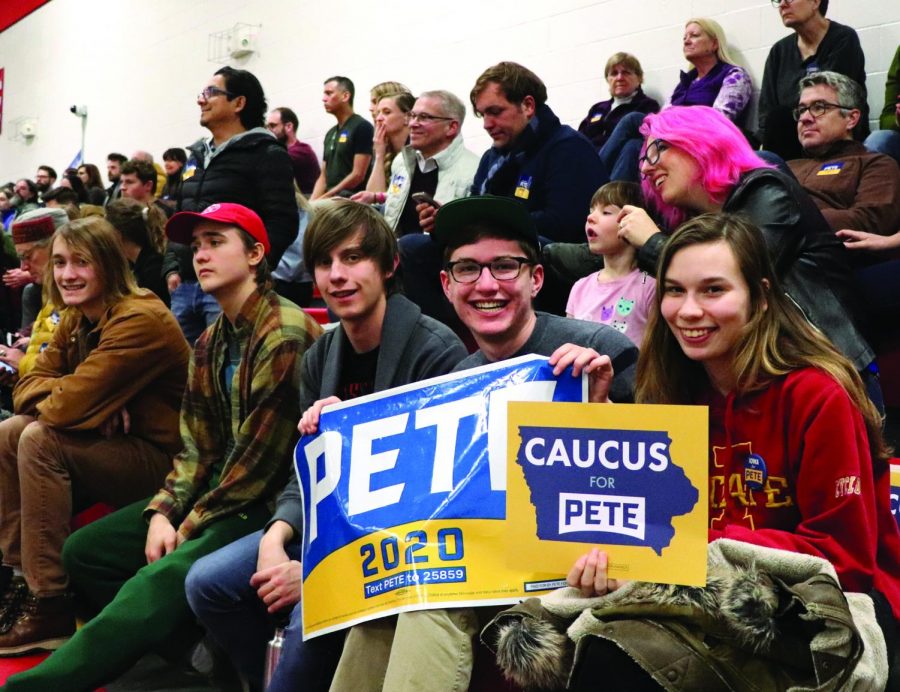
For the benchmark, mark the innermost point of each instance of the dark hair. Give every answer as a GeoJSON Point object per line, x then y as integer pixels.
{"type": "Point", "coordinates": [138, 223]}
{"type": "Point", "coordinates": [823, 7]}
{"type": "Point", "coordinates": [244, 83]}
{"type": "Point", "coordinates": [516, 82]}
{"type": "Point", "coordinates": [175, 154]}
{"type": "Point", "coordinates": [49, 170]}
{"type": "Point", "coordinates": [77, 186]}
{"type": "Point", "coordinates": [31, 185]}
{"type": "Point", "coordinates": [116, 156]}
{"type": "Point", "coordinates": [472, 233]}
{"type": "Point", "coordinates": [337, 220]}
{"type": "Point", "coordinates": [144, 171]}
{"type": "Point", "coordinates": [344, 84]}
{"type": "Point", "coordinates": [263, 273]}
{"type": "Point", "coordinates": [288, 116]}
{"type": "Point", "coordinates": [619, 193]}
{"type": "Point", "coordinates": [62, 195]}
{"type": "Point", "coordinates": [94, 179]}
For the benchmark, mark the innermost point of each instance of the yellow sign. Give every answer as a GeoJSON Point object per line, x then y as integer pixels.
{"type": "Point", "coordinates": [631, 479]}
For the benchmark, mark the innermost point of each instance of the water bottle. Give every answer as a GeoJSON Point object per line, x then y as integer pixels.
{"type": "Point", "coordinates": [273, 653]}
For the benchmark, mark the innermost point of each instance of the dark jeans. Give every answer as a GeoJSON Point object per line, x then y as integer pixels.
{"type": "Point", "coordinates": [219, 592]}
{"type": "Point", "coordinates": [622, 150]}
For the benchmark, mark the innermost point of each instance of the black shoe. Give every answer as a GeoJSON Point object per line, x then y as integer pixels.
{"type": "Point", "coordinates": [14, 592]}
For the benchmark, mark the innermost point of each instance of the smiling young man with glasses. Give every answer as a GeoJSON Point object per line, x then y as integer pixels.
{"type": "Point", "coordinates": [818, 44]}
{"type": "Point", "coordinates": [491, 275]}
{"type": "Point", "coordinates": [854, 188]}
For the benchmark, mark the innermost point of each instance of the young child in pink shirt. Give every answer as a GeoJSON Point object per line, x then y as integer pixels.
{"type": "Point", "coordinates": [619, 295]}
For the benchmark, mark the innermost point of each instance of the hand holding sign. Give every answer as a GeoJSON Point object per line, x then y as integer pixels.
{"type": "Point", "coordinates": [589, 574]}
{"type": "Point", "coordinates": [598, 369]}
{"type": "Point", "coordinates": [309, 421]}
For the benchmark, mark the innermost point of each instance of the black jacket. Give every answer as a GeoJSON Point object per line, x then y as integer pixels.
{"type": "Point", "coordinates": [809, 258]}
{"type": "Point", "coordinates": [553, 169]}
{"type": "Point", "coordinates": [253, 169]}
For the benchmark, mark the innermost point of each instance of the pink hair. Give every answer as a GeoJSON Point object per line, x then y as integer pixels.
{"type": "Point", "coordinates": [722, 153]}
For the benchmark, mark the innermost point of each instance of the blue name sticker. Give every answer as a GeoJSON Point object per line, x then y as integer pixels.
{"type": "Point", "coordinates": [755, 472]}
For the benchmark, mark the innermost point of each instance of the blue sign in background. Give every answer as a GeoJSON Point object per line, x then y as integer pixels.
{"type": "Point", "coordinates": [405, 477]}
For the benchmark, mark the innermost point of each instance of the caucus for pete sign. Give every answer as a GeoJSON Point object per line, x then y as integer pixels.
{"type": "Point", "coordinates": [632, 479]}
{"type": "Point", "coordinates": [405, 498]}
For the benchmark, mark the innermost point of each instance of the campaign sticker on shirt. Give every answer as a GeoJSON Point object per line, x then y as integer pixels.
{"type": "Point", "coordinates": [597, 118]}
{"type": "Point", "coordinates": [397, 183]}
{"type": "Point", "coordinates": [755, 472]}
{"type": "Point", "coordinates": [831, 168]}
{"type": "Point", "coordinates": [523, 189]}
{"type": "Point", "coordinates": [343, 137]}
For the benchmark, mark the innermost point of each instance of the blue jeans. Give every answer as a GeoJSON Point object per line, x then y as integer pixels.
{"type": "Point", "coordinates": [622, 150]}
{"type": "Point", "coordinates": [194, 309]}
{"type": "Point", "coordinates": [885, 142]}
{"type": "Point", "coordinates": [219, 592]}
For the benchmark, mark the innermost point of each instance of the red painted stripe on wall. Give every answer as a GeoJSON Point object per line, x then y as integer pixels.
{"type": "Point", "coordinates": [12, 11]}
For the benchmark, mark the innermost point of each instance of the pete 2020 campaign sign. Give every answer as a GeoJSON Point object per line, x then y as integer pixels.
{"type": "Point", "coordinates": [405, 494]}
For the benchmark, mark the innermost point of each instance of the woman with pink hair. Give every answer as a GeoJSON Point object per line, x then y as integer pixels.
{"type": "Point", "coordinates": [694, 161]}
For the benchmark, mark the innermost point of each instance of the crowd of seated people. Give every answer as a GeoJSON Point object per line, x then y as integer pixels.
{"type": "Point", "coordinates": [441, 260]}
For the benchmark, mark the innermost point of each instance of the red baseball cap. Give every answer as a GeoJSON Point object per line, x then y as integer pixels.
{"type": "Point", "coordinates": [181, 225]}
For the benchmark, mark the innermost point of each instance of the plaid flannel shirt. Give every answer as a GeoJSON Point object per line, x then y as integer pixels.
{"type": "Point", "coordinates": [263, 411]}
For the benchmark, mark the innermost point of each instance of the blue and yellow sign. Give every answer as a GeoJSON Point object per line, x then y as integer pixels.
{"type": "Point", "coordinates": [631, 479]}
{"type": "Point", "coordinates": [406, 504]}
{"type": "Point", "coordinates": [404, 494]}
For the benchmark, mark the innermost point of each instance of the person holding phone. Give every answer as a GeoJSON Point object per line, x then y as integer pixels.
{"type": "Point", "coordinates": [435, 165]}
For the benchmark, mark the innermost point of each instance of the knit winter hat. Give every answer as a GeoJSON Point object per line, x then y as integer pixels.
{"type": "Point", "coordinates": [38, 224]}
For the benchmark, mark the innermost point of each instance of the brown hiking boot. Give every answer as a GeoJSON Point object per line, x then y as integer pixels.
{"type": "Point", "coordinates": [43, 624]}
{"type": "Point", "coordinates": [11, 602]}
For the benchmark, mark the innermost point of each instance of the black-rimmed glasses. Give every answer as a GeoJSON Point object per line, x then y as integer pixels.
{"type": "Point", "coordinates": [654, 150]}
{"type": "Point", "coordinates": [467, 271]}
{"type": "Point", "coordinates": [210, 91]}
{"type": "Point", "coordinates": [816, 109]}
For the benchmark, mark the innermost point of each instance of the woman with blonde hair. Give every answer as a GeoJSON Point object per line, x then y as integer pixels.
{"type": "Point", "coordinates": [391, 135]}
{"type": "Point", "coordinates": [713, 80]}
{"type": "Point", "coordinates": [382, 89]}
